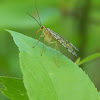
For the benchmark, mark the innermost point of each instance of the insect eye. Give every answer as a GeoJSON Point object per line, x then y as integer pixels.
{"type": "Point", "coordinates": [42, 27]}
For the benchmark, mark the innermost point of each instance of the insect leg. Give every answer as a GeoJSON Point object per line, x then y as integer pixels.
{"type": "Point", "coordinates": [39, 39]}
{"type": "Point", "coordinates": [56, 46]}
{"type": "Point", "coordinates": [43, 47]}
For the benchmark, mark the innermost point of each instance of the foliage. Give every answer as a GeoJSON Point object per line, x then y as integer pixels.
{"type": "Point", "coordinates": [14, 88]}
{"type": "Point", "coordinates": [43, 79]}
{"type": "Point", "coordinates": [75, 20]}
{"type": "Point", "coordinates": [88, 58]}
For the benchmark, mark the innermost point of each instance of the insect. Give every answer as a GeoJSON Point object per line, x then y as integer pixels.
{"type": "Point", "coordinates": [49, 34]}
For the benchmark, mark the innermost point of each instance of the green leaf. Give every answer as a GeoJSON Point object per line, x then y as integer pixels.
{"type": "Point", "coordinates": [99, 95]}
{"type": "Point", "coordinates": [89, 58]}
{"type": "Point", "coordinates": [77, 60]}
{"type": "Point", "coordinates": [14, 88]}
{"type": "Point", "coordinates": [44, 80]}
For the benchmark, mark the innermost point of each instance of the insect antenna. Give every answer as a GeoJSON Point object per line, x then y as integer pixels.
{"type": "Point", "coordinates": [33, 18]}
{"type": "Point", "coordinates": [37, 12]}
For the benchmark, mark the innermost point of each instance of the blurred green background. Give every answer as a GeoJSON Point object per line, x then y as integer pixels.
{"type": "Point", "coordinates": [76, 20]}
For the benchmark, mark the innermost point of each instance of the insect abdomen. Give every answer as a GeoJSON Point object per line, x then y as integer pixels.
{"type": "Point", "coordinates": [67, 46]}
{"type": "Point", "coordinates": [64, 42]}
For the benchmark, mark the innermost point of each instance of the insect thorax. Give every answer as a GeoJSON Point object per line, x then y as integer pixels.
{"type": "Point", "coordinates": [47, 34]}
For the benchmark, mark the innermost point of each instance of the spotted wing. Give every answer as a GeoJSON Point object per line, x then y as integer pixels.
{"type": "Point", "coordinates": [64, 42]}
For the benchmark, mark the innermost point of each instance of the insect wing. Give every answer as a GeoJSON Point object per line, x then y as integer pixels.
{"type": "Point", "coordinates": [64, 42]}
